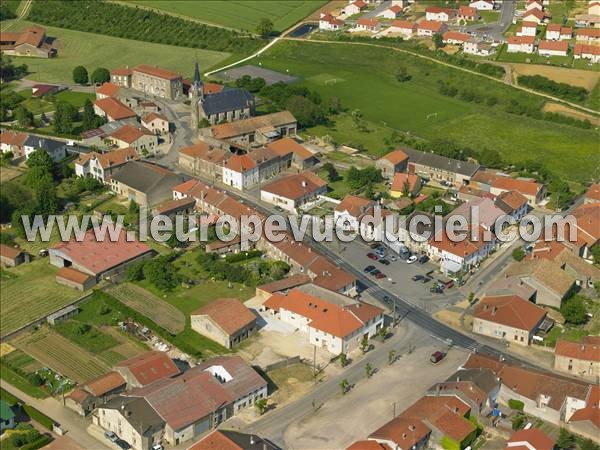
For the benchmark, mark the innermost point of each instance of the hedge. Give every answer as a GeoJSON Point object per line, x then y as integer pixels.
{"type": "Point", "coordinates": [21, 383]}
{"type": "Point", "coordinates": [516, 404]}
{"type": "Point", "coordinates": [242, 256]}
{"type": "Point", "coordinates": [8, 397]}
{"type": "Point", "coordinates": [40, 442]}
{"type": "Point", "coordinates": [39, 417]}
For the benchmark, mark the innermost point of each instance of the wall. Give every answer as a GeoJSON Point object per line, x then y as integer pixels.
{"type": "Point", "coordinates": [590, 369]}
{"type": "Point", "coordinates": [502, 332]}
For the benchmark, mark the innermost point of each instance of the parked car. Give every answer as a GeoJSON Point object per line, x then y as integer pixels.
{"type": "Point", "coordinates": [435, 289]}
{"type": "Point", "coordinates": [392, 257]}
{"type": "Point", "coordinates": [124, 445]}
{"type": "Point", "coordinates": [425, 279]}
{"type": "Point", "coordinates": [387, 300]}
{"type": "Point", "coordinates": [404, 255]}
{"type": "Point", "coordinates": [112, 437]}
{"type": "Point", "coordinates": [423, 259]}
{"type": "Point", "coordinates": [375, 272]}
{"type": "Point", "coordinates": [417, 277]}
{"type": "Point", "coordinates": [278, 208]}
{"type": "Point", "coordinates": [385, 262]}
{"type": "Point", "coordinates": [368, 269]}
{"type": "Point", "coordinates": [437, 356]}
{"type": "Point", "coordinates": [380, 275]}
{"type": "Point", "coordinates": [158, 447]}
{"type": "Point", "coordinates": [412, 259]}
{"type": "Point", "coordinates": [449, 284]}
{"type": "Point", "coordinates": [372, 256]}
{"type": "Point", "coordinates": [375, 245]}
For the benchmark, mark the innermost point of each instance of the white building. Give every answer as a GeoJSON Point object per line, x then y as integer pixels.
{"type": "Point", "coordinates": [240, 172]}
{"type": "Point", "coordinates": [339, 328]}
{"type": "Point", "coordinates": [591, 52]}
{"type": "Point", "coordinates": [521, 44]}
{"type": "Point", "coordinates": [527, 29]}
{"type": "Point", "coordinates": [294, 191]}
{"type": "Point", "coordinates": [354, 8]}
{"type": "Point", "coordinates": [439, 14]}
{"type": "Point", "coordinates": [155, 122]}
{"type": "Point", "coordinates": [369, 25]}
{"type": "Point", "coordinates": [56, 149]}
{"type": "Point", "coordinates": [477, 47]}
{"type": "Point", "coordinates": [101, 165]}
{"type": "Point", "coordinates": [556, 32]}
{"type": "Point", "coordinates": [553, 48]}
{"type": "Point", "coordinates": [404, 27]}
{"type": "Point", "coordinates": [483, 5]}
{"type": "Point", "coordinates": [328, 22]}
{"type": "Point", "coordinates": [391, 13]}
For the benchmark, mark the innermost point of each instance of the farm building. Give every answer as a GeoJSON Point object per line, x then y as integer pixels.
{"type": "Point", "coordinates": [12, 257]}
{"type": "Point", "coordinates": [302, 158]}
{"type": "Point", "coordinates": [84, 399]}
{"type": "Point", "coordinates": [13, 142]}
{"type": "Point", "coordinates": [393, 162]}
{"type": "Point", "coordinates": [75, 279]}
{"type": "Point", "coordinates": [261, 129]}
{"type": "Point", "coordinates": [62, 314]}
{"type": "Point", "coordinates": [144, 369]}
{"type": "Point", "coordinates": [100, 259]}
{"type": "Point", "coordinates": [32, 41]}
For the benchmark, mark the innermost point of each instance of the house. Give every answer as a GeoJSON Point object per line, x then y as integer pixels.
{"type": "Point", "coordinates": [513, 204]}
{"type": "Point", "coordinates": [468, 13]}
{"type": "Point", "coordinates": [534, 4]}
{"type": "Point", "coordinates": [327, 22]}
{"type": "Point", "coordinates": [391, 163]}
{"type": "Point", "coordinates": [480, 211]}
{"type": "Point", "coordinates": [534, 191]}
{"type": "Point", "coordinates": [592, 195]}
{"type": "Point", "coordinates": [591, 52]}
{"type": "Point", "coordinates": [438, 168]}
{"type": "Point", "coordinates": [439, 14]}
{"type": "Point", "coordinates": [12, 256]}
{"type": "Point", "coordinates": [557, 32]}
{"type": "Point", "coordinates": [87, 397]}
{"type": "Point", "coordinates": [455, 257]}
{"type": "Point", "coordinates": [112, 109]}
{"type": "Point", "coordinates": [7, 416]}
{"type": "Point", "coordinates": [240, 172]}
{"type": "Point", "coordinates": [521, 44]}
{"type": "Point", "coordinates": [455, 37]}
{"type": "Point", "coordinates": [393, 12]}
{"type": "Point", "coordinates": [478, 47]}
{"type": "Point", "coordinates": [588, 35]}
{"type": "Point", "coordinates": [144, 183]}
{"type": "Point", "coordinates": [527, 29]}
{"type": "Point", "coordinates": [468, 192]}
{"type": "Point", "coordinates": [156, 122]}
{"type": "Point", "coordinates": [294, 191]}
{"type": "Point", "coordinates": [151, 80]}
{"type": "Point", "coordinates": [102, 165]}
{"type": "Point", "coordinates": [404, 27]}
{"type": "Point", "coordinates": [478, 388]}
{"type": "Point", "coordinates": [55, 148]}
{"type": "Point", "coordinates": [140, 139]}
{"type": "Point", "coordinates": [482, 5]}
{"type": "Point", "coordinates": [205, 158]}
{"type": "Point", "coordinates": [405, 184]}
{"type": "Point", "coordinates": [147, 368]}
{"type": "Point", "coordinates": [578, 358]}
{"type": "Point", "coordinates": [370, 25]}
{"type": "Point", "coordinates": [175, 207]}
{"type": "Point", "coordinates": [531, 438]}
{"type": "Point", "coordinates": [339, 328]}
{"type": "Point", "coordinates": [430, 27]}
{"type": "Point", "coordinates": [13, 142]}
{"type": "Point", "coordinates": [349, 212]}
{"type": "Point", "coordinates": [121, 77]}
{"type": "Point", "coordinates": [553, 48]}
{"type": "Point", "coordinates": [32, 41]}
{"type": "Point", "coordinates": [354, 8]}
{"type": "Point", "coordinates": [399, 433]}
{"type": "Point", "coordinates": [509, 318]}
{"type": "Point", "coordinates": [261, 129]}
{"type": "Point", "coordinates": [536, 15]}
{"type": "Point", "coordinates": [68, 276]}
{"type": "Point", "coordinates": [586, 421]}
{"type": "Point", "coordinates": [302, 158]}
{"type": "Point", "coordinates": [232, 440]}
{"type": "Point", "coordinates": [226, 106]}
{"type": "Point", "coordinates": [587, 20]}
{"type": "Point", "coordinates": [107, 90]}
{"type": "Point", "coordinates": [594, 7]}
{"type": "Point", "coordinates": [41, 90]}
{"type": "Point", "coordinates": [588, 229]}
{"type": "Point", "coordinates": [100, 259]}
{"type": "Point", "coordinates": [224, 320]}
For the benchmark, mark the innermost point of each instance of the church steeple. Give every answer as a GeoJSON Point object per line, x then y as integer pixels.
{"type": "Point", "coordinates": [197, 80]}
{"type": "Point", "coordinates": [197, 96]}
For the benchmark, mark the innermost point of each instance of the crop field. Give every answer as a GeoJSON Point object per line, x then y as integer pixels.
{"type": "Point", "coordinates": [148, 304]}
{"type": "Point", "coordinates": [29, 292]}
{"type": "Point", "coordinates": [584, 78]}
{"type": "Point", "coordinates": [96, 50]}
{"type": "Point", "coordinates": [369, 85]}
{"type": "Point", "coordinates": [60, 354]}
{"type": "Point", "coordinates": [243, 15]}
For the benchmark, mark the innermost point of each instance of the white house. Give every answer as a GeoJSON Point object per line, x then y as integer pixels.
{"type": "Point", "coordinates": [391, 13]}
{"type": "Point", "coordinates": [430, 27]}
{"type": "Point", "coordinates": [370, 25]}
{"type": "Point", "coordinates": [535, 15]}
{"type": "Point", "coordinates": [455, 37]}
{"type": "Point", "coordinates": [294, 191]}
{"type": "Point", "coordinates": [534, 4]}
{"type": "Point", "coordinates": [56, 149]}
{"type": "Point", "coordinates": [156, 122]}
{"type": "Point", "coordinates": [521, 44]}
{"type": "Point", "coordinates": [553, 48]}
{"type": "Point", "coordinates": [591, 52]}
{"type": "Point", "coordinates": [589, 35]}
{"type": "Point", "coordinates": [527, 29]}
{"type": "Point", "coordinates": [101, 165]}
{"type": "Point", "coordinates": [328, 22]}
{"type": "Point", "coordinates": [483, 5]}
{"type": "Point", "coordinates": [143, 140]}
{"type": "Point", "coordinates": [240, 172]}
{"type": "Point", "coordinates": [354, 8]}
{"type": "Point", "coordinates": [478, 47]}
{"type": "Point", "coordinates": [556, 32]}
{"type": "Point", "coordinates": [404, 27]}
{"type": "Point", "coordinates": [338, 327]}
{"type": "Point", "coordinates": [350, 210]}
{"type": "Point", "coordinates": [468, 13]}
{"type": "Point", "coordinates": [439, 14]}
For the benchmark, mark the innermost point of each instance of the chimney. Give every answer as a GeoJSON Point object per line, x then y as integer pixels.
{"type": "Point", "coordinates": [494, 309]}
{"type": "Point", "coordinates": [412, 427]}
{"type": "Point", "coordinates": [304, 183]}
{"type": "Point", "coordinates": [485, 307]}
{"type": "Point", "coordinates": [252, 442]}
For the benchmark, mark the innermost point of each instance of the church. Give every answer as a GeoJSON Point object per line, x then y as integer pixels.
{"type": "Point", "coordinates": [226, 105]}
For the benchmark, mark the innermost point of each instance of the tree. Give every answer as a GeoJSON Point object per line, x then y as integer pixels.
{"type": "Point", "coordinates": [40, 158]}
{"type": "Point", "coordinates": [161, 273]}
{"type": "Point", "coordinates": [80, 75]}
{"type": "Point", "coordinates": [518, 254]}
{"type": "Point", "coordinates": [100, 75]}
{"type": "Point", "coordinates": [518, 421]}
{"type": "Point", "coordinates": [391, 357]}
{"type": "Point", "coordinates": [403, 76]}
{"type": "Point", "coordinates": [344, 385]}
{"type": "Point", "coordinates": [90, 119]}
{"type": "Point", "coordinates": [343, 359]}
{"type": "Point", "coordinates": [305, 111]}
{"type": "Point", "coordinates": [438, 41]}
{"type": "Point", "coordinates": [332, 173]}
{"type": "Point", "coordinates": [565, 439]}
{"type": "Point", "coordinates": [383, 332]}
{"type": "Point", "coordinates": [574, 311]}
{"type": "Point", "coordinates": [596, 254]}
{"type": "Point", "coordinates": [588, 444]}
{"type": "Point", "coordinates": [261, 405]}
{"type": "Point", "coordinates": [364, 343]}
{"type": "Point", "coordinates": [23, 116]}
{"type": "Point", "coordinates": [135, 272]}
{"type": "Point", "coordinates": [64, 116]}
{"type": "Point", "coordinates": [103, 309]}
{"type": "Point", "coordinates": [35, 379]}
{"type": "Point", "coordinates": [264, 27]}
{"type": "Point", "coordinates": [82, 328]}
{"type": "Point", "coordinates": [369, 370]}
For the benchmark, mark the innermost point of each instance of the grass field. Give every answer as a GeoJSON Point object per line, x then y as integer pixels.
{"type": "Point", "coordinates": [243, 15]}
{"type": "Point", "coordinates": [369, 85]}
{"type": "Point", "coordinates": [30, 292]}
{"type": "Point", "coordinates": [161, 312]}
{"type": "Point", "coordinates": [95, 50]}
{"type": "Point", "coordinates": [40, 105]}
{"type": "Point", "coordinates": [62, 355]}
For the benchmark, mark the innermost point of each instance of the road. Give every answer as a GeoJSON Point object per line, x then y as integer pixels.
{"type": "Point", "coordinates": [495, 31]}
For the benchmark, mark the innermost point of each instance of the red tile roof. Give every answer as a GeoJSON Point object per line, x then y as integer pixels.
{"type": "Point", "coordinates": [121, 72]}
{"type": "Point", "coordinates": [561, 46]}
{"type": "Point", "coordinates": [323, 315]}
{"type": "Point", "coordinates": [370, 23]}
{"type": "Point", "coordinates": [354, 205]}
{"type": "Point", "coordinates": [114, 108]}
{"type": "Point", "coordinates": [158, 72]}
{"type": "Point", "coordinates": [129, 133]}
{"type": "Point", "coordinates": [535, 437]}
{"type": "Point", "coordinates": [104, 384]}
{"type": "Point", "coordinates": [405, 24]}
{"type": "Point", "coordinates": [108, 89]}
{"type": "Point", "coordinates": [240, 163]}
{"type": "Point", "coordinates": [525, 187]}
{"type": "Point", "coordinates": [589, 32]}
{"type": "Point", "coordinates": [33, 35]}
{"type": "Point", "coordinates": [215, 441]}
{"type": "Point", "coordinates": [402, 431]}
{"type": "Point", "coordinates": [519, 40]}
{"type": "Point", "coordinates": [528, 24]}
{"type": "Point", "coordinates": [70, 274]}
{"type": "Point", "coordinates": [541, 15]}
{"type": "Point", "coordinates": [588, 223]}
{"type": "Point", "coordinates": [585, 49]}
{"type": "Point", "coordinates": [593, 193]}
{"type": "Point", "coordinates": [10, 137]}
{"type": "Point", "coordinates": [78, 395]}
{"type": "Point", "coordinates": [397, 156]}
{"type": "Point", "coordinates": [400, 180]}
{"type": "Point", "coordinates": [149, 367]}
{"type": "Point", "coordinates": [113, 158]}
{"type": "Point", "coordinates": [228, 313]}
{"type": "Point", "coordinates": [295, 186]}
{"type": "Point", "coordinates": [432, 25]}
{"type": "Point", "coordinates": [467, 11]}
{"type": "Point", "coordinates": [463, 248]}
{"type": "Point", "coordinates": [588, 349]}
{"type": "Point", "coordinates": [438, 10]}
{"type": "Point", "coordinates": [285, 283]}
{"type": "Point", "coordinates": [153, 116]}
{"type": "Point", "coordinates": [591, 412]}
{"type": "Point", "coordinates": [513, 199]}
{"type": "Point", "coordinates": [360, 4]}
{"type": "Point", "coordinates": [510, 310]}
{"type": "Point", "coordinates": [456, 36]}
{"type": "Point", "coordinates": [368, 445]}
{"type": "Point", "coordinates": [288, 145]}
{"type": "Point", "coordinates": [206, 152]}
{"type": "Point", "coordinates": [9, 252]}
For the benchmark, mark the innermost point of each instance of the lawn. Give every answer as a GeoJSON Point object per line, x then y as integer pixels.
{"type": "Point", "coordinates": [33, 104]}
{"type": "Point", "coordinates": [534, 58]}
{"type": "Point", "coordinates": [30, 292]}
{"type": "Point", "coordinates": [243, 15]}
{"type": "Point", "coordinates": [76, 99]}
{"type": "Point", "coordinates": [369, 85]}
{"type": "Point", "coordinates": [489, 16]}
{"type": "Point", "coordinates": [96, 50]}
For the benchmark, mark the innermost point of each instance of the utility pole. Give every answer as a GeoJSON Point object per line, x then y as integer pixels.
{"type": "Point", "coordinates": [315, 364]}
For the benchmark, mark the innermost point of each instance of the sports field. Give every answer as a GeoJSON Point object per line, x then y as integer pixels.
{"type": "Point", "coordinates": [96, 50]}
{"type": "Point", "coordinates": [242, 15]}
{"type": "Point", "coordinates": [363, 78]}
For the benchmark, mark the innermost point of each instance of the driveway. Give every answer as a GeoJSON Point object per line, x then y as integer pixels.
{"type": "Point", "coordinates": [495, 31]}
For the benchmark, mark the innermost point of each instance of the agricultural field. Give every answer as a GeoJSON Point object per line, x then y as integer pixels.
{"type": "Point", "coordinates": [242, 15]}
{"type": "Point", "coordinates": [96, 50]}
{"type": "Point", "coordinates": [354, 74]}
{"type": "Point", "coordinates": [60, 354]}
{"type": "Point", "coordinates": [35, 282]}
{"type": "Point", "coordinates": [583, 78]}
{"type": "Point", "coordinates": [148, 304]}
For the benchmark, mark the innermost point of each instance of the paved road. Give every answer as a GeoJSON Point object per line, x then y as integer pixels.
{"type": "Point", "coordinates": [495, 31]}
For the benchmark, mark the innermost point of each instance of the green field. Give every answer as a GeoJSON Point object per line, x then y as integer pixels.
{"type": "Point", "coordinates": [243, 15]}
{"type": "Point", "coordinates": [96, 50]}
{"type": "Point", "coordinates": [30, 292]}
{"type": "Point", "coordinates": [366, 81]}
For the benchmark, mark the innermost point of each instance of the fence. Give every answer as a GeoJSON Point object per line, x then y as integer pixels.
{"type": "Point", "coordinates": [283, 363]}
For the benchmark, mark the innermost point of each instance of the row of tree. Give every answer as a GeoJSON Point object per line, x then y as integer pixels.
{"type": "Point", "coordinates": [99, 76]}
{"type": "Point", "coordinates": [9, 71]}
{"type": "Point", "coordinates": [562, 90]}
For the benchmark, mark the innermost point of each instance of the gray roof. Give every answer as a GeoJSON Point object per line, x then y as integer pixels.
{"type": "Point", "coordinates": [248, 441]}
{"type": "Point", "coordinates": [50, 145]}
{"type": "Point", "coordinates": [62, 312]}
{"type": "Point", "coordinates": [485, 379]}
{"type": "Point", "coordinates": [138, 412]}
{"type": "Point", "coordinates": [227, 100]}
{"type": "Point", "coordinates": [441, 162]}
{"type": "Point", "coordinates": [144, 177]}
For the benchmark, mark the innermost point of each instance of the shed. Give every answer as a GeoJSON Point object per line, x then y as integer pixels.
{"type": "Point", "coordinates": [62, 314]}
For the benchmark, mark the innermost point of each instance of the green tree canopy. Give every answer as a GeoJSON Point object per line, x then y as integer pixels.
{"type": "Point", "coordinates": [80, 75]}
{"type": "Point", "coordinates": [264, 27]}
{"type": "Point", "coordinates": [100, 75]}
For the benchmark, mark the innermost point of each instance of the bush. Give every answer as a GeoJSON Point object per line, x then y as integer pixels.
{"type": "Point", "coordinates": [39, 417]}
{"type": "Point", "coordinates": [562, 90]}
{"type": "Point", "coordinates": [516, 404]}
{"type": "Point", "coordinates": [242, 256]}
{"type": "Point", "coordinates": [35, 379]}
{"type": "Point", "coordinates": [8, 397]}
{"type": "Point", "coordinates": [574, 311]}
{"type": "Point", "coordinates": [518, 421]}
{"type": "Point", "coordinates": [518, 254]}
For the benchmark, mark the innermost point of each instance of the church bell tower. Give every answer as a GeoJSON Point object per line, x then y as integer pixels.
{"type": "Point", "coordinates": [197, 95]}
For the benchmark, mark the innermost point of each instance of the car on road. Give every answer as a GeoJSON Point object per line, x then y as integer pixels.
{"type": "Point", "coordinates": [385, 262]}
{"type": "Point", "coordinates": [372, 256]}
{"type": "Point", "coordinates": [112, 437]}
{"type": "Point", "coordinates": [278, 208]}
{"type": "Point", "coordinates": [380, 275]}
{"type": "Point", "coordinates": [368, 269]}
{"type": "Point", "coordinates": [425, 279]}
{"type": "Point", "coordinates": [124, 445]}
{"type": "Point", "coordinates": [423, 259]}
{"type": "Point", "coordinates": [375, 245]}
{"type": "Point", "coordinates": [387, 299]}
{"type": "Point", "coordinates": [437, 356]}
{"type": "Point", "coordinates": [449, 284]}
{"type": "Point", "coordinates": [417, 277]}
{"type": "Point", "coordinates": [412, 259]}
{"type": "Point", "coordinates": [158, 447]}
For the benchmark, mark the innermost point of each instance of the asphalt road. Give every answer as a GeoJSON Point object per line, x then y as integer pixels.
{"type": "Point", "coordinates": [495, 31]}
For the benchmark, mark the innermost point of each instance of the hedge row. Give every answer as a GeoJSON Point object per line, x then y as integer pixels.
{"type": "Point", "coordinates": [39, 417]}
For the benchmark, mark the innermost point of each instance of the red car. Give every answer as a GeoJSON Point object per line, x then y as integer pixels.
{"type": "Point", "coordinates": [380, 275]}
{"type": "Point", "coordinates": [372, 256]}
